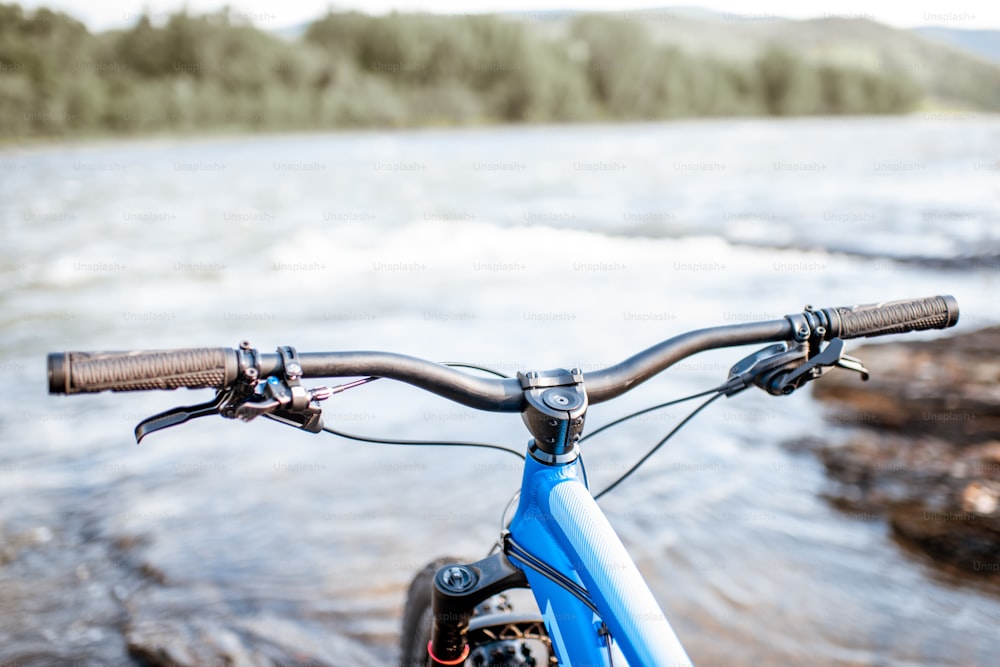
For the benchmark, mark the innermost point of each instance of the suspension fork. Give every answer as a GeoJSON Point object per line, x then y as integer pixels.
{"type": "Point", "coordinates": [458, 589]}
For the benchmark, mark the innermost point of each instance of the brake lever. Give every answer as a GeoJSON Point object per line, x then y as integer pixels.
{"type": "Point", "coordinates": [180, 415]}
{"type": "Point", "coordinates": [782, 368]}
{"type": "Point", "coordinates": [281, 398]}
{"type": "Point", "coordinates": [764, 364]}
{"type": "Point", "coordinates": [831, 357]}
{"type": "Point", "coordinates": [854, 364]}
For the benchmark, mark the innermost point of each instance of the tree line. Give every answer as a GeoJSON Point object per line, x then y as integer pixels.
{"type": "Point", "coordinates": [216, 72]}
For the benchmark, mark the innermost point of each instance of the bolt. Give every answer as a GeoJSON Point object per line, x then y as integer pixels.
{"type": "Point", "coordinates": [553, 422]}
{"type": "Point", "coordinates": [294, 370]}
{"type": "Point", "coordinates": [458, 578]}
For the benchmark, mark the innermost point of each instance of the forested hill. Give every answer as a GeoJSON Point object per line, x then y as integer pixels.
{"type": "Point", "coordinates": [216, 73]}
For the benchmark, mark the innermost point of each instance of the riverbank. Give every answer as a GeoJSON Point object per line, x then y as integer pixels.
{"type": "Point", "coordinates": [922, 445]}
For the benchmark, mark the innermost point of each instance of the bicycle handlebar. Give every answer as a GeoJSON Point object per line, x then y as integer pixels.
{"type": "Point", "coordinates": [218, 368]}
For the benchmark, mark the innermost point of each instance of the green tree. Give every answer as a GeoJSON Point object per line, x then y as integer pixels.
{"type": "Point", "coordinates": [198, 72]}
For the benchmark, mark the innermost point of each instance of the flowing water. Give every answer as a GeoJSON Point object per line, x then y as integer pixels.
{"type": "Point", "coordinates": [516, 248]}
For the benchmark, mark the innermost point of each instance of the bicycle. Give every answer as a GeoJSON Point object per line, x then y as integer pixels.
{"type": "Point", "coordinates": [591, 604]}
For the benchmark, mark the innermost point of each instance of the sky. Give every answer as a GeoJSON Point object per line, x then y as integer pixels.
{"type": "Point", "coordinates": [275, 14]}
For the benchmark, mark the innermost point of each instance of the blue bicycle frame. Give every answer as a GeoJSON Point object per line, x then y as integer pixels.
{"type": "Point", "coordinates": [559, 522]}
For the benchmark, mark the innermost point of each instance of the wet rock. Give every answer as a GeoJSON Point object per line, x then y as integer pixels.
{"type": "Point", "coordinates": [54, 604]}
{"type": "Point", "coordinates": [196, 626]}
{"type": "Point", "coordinates": [939, 498]}
{"type": "Point", "coordinates": [963, 539]}
{"type": "Point", "coordinates": [948, 387]}
{"type": "Point", "coordinates": [922, 444]}
{"type": "Point", "coordinates": [188, 642]}
{"type": "Point", "coordinates": [70, 596]}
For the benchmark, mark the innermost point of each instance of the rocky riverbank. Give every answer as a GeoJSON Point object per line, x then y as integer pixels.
{"type": "Point", "coordinates": [72, 594]}
{"type": "Point", "coordinates": [920, 444]}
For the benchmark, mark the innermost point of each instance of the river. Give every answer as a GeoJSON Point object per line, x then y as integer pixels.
{"type": "Point", "coordinates": [515, 248]}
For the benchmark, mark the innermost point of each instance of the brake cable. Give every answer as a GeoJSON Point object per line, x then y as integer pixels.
{"type": "Point", "coordinates": [716, 393]}
{"type": "Point", "coordinates": [419, 443]}
{"type": "Point", "coordinates": [665, 438]}
{"type": "Point", "coordinates": [777, 369]}
{"type": "Point", "coordinates": [650, 409]}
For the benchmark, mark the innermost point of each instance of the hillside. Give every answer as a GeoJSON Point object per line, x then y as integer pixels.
{"type": "Point", "coordinates": [949, 75]}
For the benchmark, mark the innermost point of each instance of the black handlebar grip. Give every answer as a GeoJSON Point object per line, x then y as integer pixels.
{"type": "Point", "coordinates": [79, 372]}
{"type": "Point", "coordinates": [894, 317]}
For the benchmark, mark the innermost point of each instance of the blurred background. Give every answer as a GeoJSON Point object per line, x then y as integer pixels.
{"type": "Point", "coordinates": [519, 189]}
